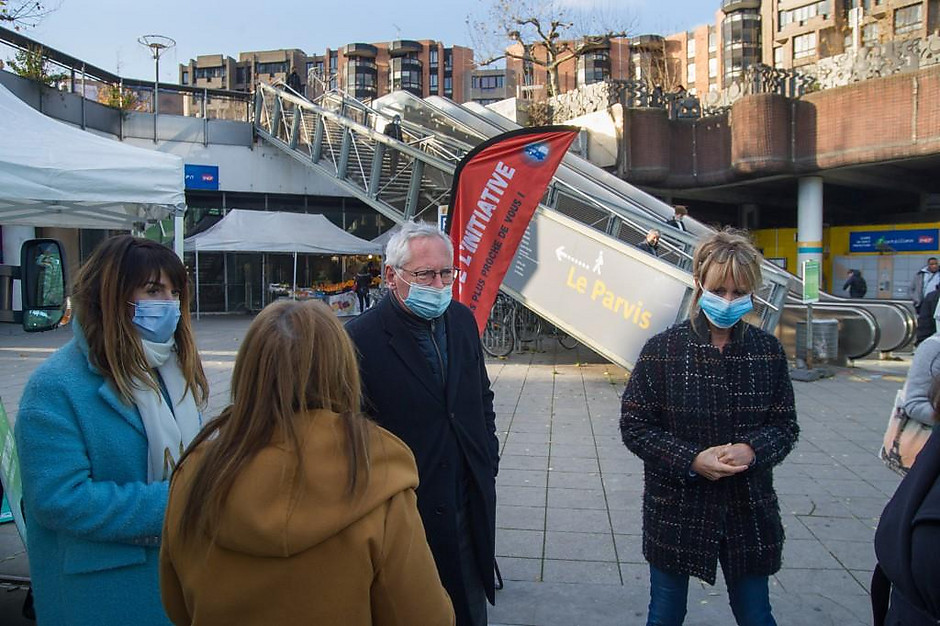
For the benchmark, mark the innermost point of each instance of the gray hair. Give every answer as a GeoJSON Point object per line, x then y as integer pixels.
{"type": "Point", "coordinates": [398, 252]}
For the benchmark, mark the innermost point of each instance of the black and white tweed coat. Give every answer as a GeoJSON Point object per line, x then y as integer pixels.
{"type": "Point", "coordinates": [683, 396]}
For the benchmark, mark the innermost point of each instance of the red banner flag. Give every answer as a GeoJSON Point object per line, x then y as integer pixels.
{"type": "Point", "coordinates": [497, 188]}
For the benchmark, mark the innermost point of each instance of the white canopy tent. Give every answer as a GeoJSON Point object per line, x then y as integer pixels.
{"type": "Point", "coordinates": [262, 231]}
{"type": "Point", "coordinates": [53, 174]}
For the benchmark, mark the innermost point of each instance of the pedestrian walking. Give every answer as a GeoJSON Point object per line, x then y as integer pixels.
{"type": "Point", "coordinates": [855, 284]}
{"type": "Point", "coordinates": [926, 279]}
{"type": "Point", "coordinates": [709, 440]}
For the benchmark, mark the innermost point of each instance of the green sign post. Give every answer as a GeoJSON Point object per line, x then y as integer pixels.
{"type": "Point", "coordinates": [810, 281]}
{"type": "Point", "coordinates": [810, 295]}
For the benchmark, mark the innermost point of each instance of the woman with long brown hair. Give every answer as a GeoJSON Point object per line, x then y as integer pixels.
{"type": "Point", "coordinates": [291, 507]}
{"type": "Point", "coordinates": [100, 427]}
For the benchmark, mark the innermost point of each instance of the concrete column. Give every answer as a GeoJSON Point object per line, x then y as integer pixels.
{"type": "Point", "coordinates": [13, 238]}
{"type": "Point", "coordinates": [809, 226]}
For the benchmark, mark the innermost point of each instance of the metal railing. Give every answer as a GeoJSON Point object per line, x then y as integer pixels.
{"type": "Point", "coordinates": [407, 178]}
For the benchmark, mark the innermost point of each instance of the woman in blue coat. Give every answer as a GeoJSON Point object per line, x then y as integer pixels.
{"type": "Point", "coordinates": [100, 426]}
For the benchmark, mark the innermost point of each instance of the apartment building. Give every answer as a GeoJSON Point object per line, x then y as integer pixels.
{"type": "Point", "coordinates": [798, 33]}
{"type": "Point", "coordinates": [364, 70]}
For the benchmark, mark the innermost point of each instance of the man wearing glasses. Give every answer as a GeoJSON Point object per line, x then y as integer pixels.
{"type": "Point", "coordinates": [424, 379]}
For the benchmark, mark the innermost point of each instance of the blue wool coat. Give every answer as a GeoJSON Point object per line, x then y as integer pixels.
{"type": "Point", "coordinates": [93, 523]}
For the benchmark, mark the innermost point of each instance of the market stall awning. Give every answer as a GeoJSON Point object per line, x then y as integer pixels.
{"type": "Point", "coordinates": [262, 231]}
{"type": "Point", "coordinates": [53, 174]}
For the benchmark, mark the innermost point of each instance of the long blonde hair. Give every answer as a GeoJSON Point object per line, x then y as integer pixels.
{"type": "Point", "coordinates": [102, 292]}
{"type": "Point", "coordinates": [731, 253]}
{"type": "Point", "coordinates": [296, 357]}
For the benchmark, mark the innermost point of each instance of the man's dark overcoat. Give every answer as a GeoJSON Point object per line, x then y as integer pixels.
{"type": "Point", "coordinates": [442, 428]}
{"type": "Point", "coordinates": [683, 396]}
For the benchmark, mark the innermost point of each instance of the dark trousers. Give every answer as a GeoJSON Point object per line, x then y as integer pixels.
{"type": "Point", "coordinates": [749, 598]}
{"type": "Point", "coordinates": [363, 300]}
{"type": "Point", "coordinates": [473, 581]}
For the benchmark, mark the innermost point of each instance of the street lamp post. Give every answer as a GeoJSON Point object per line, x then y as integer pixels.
{"type": "Point", "coordinates": [158, 44]}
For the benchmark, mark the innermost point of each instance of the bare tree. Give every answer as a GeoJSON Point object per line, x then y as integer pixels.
{"type": "Point", "coordinates": [543, 33]}
{"type": "Point", "coordinates": [23, 13]}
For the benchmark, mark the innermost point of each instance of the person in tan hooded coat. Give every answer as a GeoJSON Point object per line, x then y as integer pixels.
{"type": "Point", "coordinates": [291, 507]}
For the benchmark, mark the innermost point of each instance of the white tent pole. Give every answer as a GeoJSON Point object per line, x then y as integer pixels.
{"type": "Point", "coordinates": [225, 277]}
{"type": "Point", "coordinates": [295, 276]}
{"type": "Point", "coordinates": [197, 284]}
{"type": "Point", "coordinates": [264, 284]}
{"type": "Point", "coordinates": [178, 235]}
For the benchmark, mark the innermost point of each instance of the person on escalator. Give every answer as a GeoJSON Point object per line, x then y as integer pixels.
{"type": "Point", "coordinates": [293, 81]}
{"type": "Point", "coordinates": [651, 243]}
{"type": "Point", "coordinates": [393, 130]}
{"type": "Point", "coordinates": [855, 284]}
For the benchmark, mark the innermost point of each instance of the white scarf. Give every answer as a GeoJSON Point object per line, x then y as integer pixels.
{"type": "Point", "coordinates": [168, 432]}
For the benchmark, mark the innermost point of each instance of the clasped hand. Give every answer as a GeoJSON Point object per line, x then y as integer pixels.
{"type": "Point", "coordinates": [724, 460]}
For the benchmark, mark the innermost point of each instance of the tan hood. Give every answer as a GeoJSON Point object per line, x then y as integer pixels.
{"type": "Point", "coordinates": [262, 517]}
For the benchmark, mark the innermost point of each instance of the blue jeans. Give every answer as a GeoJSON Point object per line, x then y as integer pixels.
{"type": "Point", "coordinates": [749, 598]}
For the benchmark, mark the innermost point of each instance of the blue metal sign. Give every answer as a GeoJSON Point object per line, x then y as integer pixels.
{"type": "Point", "coordinates": [202, 176]}
{"type": "Point", "coordinates": [916, 240]}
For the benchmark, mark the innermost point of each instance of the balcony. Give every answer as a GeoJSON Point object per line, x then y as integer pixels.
{"type": "Point", "coordinates": [402, 47]}
{"type": "Point", "coordinates": [405, 64]}
{"type": "Point", "coordinates": [730, 6]}
{"type": "Point", "coordinates": [360, 50]}
{"type": "Point", "coordinates": [647, 42]}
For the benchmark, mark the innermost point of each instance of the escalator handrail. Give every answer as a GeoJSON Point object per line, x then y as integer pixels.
{"type": "Point", "coordinates": [796, 303]}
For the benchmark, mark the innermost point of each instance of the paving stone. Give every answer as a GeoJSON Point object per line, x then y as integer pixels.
{"type": "Point", "coordinates": [576, 498]}
{"type": "Point", "coordinates": [509, 516]}
{"type": "Point", "coordinates": [578, 520]}
{"type": "Point", "coordinates": [579, 546]}
{"type": "Point", "coordinates": [581, 572]}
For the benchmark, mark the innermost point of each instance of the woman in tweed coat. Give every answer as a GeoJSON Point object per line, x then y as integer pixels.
{"type": "Point", "coordinates": [709, 440]}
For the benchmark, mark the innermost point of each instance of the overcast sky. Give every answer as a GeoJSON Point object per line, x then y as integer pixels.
{"type": "Point", "coordinates": [105, 32]}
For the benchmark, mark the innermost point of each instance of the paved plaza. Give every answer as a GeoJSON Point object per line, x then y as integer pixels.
{"type": "Point", "coordinates": [569, 513]}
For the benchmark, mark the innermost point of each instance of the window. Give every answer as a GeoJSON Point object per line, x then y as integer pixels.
{"type": "Point", "coordinates": [448, 85]}
{"type": "Point", "coordinates": [490, 82]}
{"type": "Point", "coordinates": [778, 57]}
{"type": "Point", "coordinates": [271, 69]}
{"type": "Point", "coordinates": [593, 67]}
{"type": "Point", "coordinates": [908, 19]}
{"type": "Point", "coordinates": [804, 13]}
{"type": "Point", "coordinates": [712, 40]}
{"type": "Point", "coordinates": [185, 78]}
{"type": "Point", "coordinates": [432, 56]}
{"type": "Point", "coordinates": [690, 47]}
{"type": "Point", "coordinates": [712, 68]}
{"type": "Point", "coordinates": [242, 75]}
{"type": "Point", "coordinates": [448, 60]}
{"type": "Point", "coordinates": [208, 73]}
{"type": "Point", "coordinates": [690, 74]}
{"type": "Point", "coordinates": [433, 83]}
{"type": "Point", "coordinates": [804, 46]}
{"type": "Point", "coordinates": [869, 34]}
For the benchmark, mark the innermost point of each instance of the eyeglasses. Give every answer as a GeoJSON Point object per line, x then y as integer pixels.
{"type": "Point", "coordinates": [426, 277]}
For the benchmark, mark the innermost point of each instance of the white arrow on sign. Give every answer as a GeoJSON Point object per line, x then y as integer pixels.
{"type": "Point", "coordinates": [561, 255]}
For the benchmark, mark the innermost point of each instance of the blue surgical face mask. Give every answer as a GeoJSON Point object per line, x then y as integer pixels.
{"type": "Point", "coordinates": [156, 320]}
{"type": "Point", "coordinates": [428, 302]}
{"type": "Point", "coordinates": [723, 313]}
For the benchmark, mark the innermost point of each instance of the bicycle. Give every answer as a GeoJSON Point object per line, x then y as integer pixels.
{"type": "Point", "coordinates": [499, 338]}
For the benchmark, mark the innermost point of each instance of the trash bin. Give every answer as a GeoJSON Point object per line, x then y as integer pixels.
{"type": "Point", "coordinates": [825, 341]}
